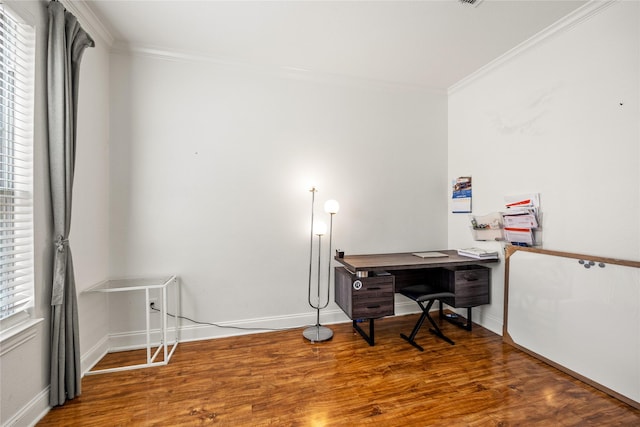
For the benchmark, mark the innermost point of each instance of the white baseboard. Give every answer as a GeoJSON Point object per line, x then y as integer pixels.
{"type": "Point", "coordinates": [32, 412]}
{"type": "Point", "coordinates": [491, 323]}
{"type": "Point", "coordinates": [195, 332]}
{"type": "Point", "coordinates": [94, 355]}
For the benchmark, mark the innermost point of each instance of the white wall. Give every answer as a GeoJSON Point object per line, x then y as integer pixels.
{"type": "Point", "coordinates": [89, 236]}
{"type": "Point", "coordinates": [210, 170]}
{"type": "Point", "coordinates": [559, 119]}
{"type": "Point", "coordinates": [25, 398]}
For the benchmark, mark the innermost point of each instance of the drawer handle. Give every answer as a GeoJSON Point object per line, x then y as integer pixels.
{"type": "Point", "coordinates": [373, 306]}
{"type": "Point", "coordinates": [374, 288]}
{"type": "Point", "coordinates": [470, 277]}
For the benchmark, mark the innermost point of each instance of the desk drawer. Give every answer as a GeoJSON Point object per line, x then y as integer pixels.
{"type": "Point", "coordinates": [364, 297]}
{"type": "Point", "coordinates": [372, 308]}
{"type": "Point", "coordinates": [373, 300]}
{"type": "Point", "coordinates": [373, 287]}
{"type": "Point", "coordinates": [467, 301]}
{"type": "Point", "coordinates": [469, 276]}
{"type": "Point", "coordinates": [469, 283]}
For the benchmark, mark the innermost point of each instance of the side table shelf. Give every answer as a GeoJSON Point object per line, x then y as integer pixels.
{"type": "Point", "coordinates": [160, 286]}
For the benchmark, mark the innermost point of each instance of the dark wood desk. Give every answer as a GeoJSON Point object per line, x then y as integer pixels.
{"type": "Point", "coordinates": [406, 261]}
{"type": "Point", "coordinates": [365, 286]}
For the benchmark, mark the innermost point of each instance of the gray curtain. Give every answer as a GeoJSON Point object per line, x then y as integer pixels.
{"type": "Point", "coordinates": [67, 41]}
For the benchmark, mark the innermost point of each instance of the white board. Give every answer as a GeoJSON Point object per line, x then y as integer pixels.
{"type": "Point", "coordinates": [584, 319]}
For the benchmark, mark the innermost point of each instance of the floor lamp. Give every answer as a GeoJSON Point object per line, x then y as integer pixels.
{"type": "Point", "coordinates": [318, 332]}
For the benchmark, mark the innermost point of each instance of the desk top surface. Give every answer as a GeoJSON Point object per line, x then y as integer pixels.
{"type": "Point", "coordinates": [406, 260]}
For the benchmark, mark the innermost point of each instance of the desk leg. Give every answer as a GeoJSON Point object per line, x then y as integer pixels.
{"type": "Point", "coordinates": [454, 319]}
{"type": "Point", "coordinates": [368, 338]}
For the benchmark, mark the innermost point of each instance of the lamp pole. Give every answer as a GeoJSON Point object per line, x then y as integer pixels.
{"type": "Point", "coordinates": [319, 333]}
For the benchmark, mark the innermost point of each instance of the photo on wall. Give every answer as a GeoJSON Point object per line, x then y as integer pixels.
{"type": "Point", "coordinates": [461, 195]}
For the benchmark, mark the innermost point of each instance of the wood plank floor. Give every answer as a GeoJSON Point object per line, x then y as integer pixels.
{"type": "Point", "coordinates": [279, 378]}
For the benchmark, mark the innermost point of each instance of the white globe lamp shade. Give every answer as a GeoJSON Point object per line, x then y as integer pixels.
{"type": "Point", "coordinates": [319, 228]}
{"type": "Point", "coordinates": [331, 206]}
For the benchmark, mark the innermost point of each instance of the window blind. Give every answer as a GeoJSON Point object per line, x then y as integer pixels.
{"type": "Point", "coordinates": [17, 48]}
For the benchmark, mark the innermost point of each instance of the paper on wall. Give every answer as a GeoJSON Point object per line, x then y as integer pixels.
{"type": "Point", "coordinates": [519, 235]}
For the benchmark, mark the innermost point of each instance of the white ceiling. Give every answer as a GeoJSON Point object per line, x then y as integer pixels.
{"type": "Point", "coordinates": [428, 43]}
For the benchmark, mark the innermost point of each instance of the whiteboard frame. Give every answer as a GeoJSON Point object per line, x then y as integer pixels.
{"type": "Point", "coordinates": [507, 338]}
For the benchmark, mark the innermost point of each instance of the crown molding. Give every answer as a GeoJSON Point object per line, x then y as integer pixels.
{"type": "Point", "coordinates": [564, 24]}
{"type": "Point", "coordinates": [90, 21]}
{"type": "Point", "coordinates": [292, 73]}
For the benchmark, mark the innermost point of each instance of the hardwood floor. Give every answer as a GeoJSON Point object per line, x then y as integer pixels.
{"type": "Point", "coordinates": [279, 378]}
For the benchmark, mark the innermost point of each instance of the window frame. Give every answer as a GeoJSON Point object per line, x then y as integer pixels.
{"type": "Point", "coordinates": [24, 35]}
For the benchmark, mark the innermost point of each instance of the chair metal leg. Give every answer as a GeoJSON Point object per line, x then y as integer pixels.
{"type": "Point", "coordinates": [436, 330]}
{"type": "Point", "coordinates": [410, 339]}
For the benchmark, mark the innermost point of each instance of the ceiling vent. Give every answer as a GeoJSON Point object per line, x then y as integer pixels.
{"type": "Point", "coordinates": [471, 2]}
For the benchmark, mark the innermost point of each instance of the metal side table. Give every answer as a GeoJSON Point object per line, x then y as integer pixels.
{"type": "Point", "coordinates": [156, 286]}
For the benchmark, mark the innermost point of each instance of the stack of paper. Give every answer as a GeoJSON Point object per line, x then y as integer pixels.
{"type": "Point", "coordinates": [478, 253]}
{"type": "Point", "coordinates": [521, 219]}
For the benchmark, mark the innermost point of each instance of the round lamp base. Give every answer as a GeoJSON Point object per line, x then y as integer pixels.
{"type": "Point", "coordinates": [318, 333]}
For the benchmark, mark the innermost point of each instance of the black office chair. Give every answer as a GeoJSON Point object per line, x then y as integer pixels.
{"type": "Point", "coordinates": [425, 294]}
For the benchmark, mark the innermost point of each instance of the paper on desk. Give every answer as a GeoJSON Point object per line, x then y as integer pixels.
{"type": "Point", "coordinates": [430, 254]}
